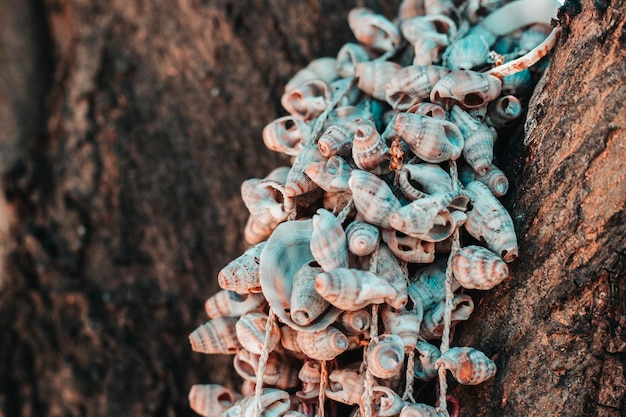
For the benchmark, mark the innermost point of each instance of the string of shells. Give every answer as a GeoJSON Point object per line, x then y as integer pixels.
{"type": "Point", "coordinates": [362, 251]}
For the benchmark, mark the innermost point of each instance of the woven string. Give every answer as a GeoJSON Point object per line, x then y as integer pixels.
{"type": "Point", "coordinates": [258, 389]}
{"type": "Point", "coordinates": [410, 377]}
{"type": "Point", "coordinates": [343, 214]}
{"type": "Point", "coordinates": [368, 394]}
{"type": "Point", "coordinates": [321, 399]}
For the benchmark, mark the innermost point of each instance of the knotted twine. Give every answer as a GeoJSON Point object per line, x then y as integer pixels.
{"type": "Point", "coordinates": [258, 389]}
{"type": "Point", "coordinates": [369, 382]}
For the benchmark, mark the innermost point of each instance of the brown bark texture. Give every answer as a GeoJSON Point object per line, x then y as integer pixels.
{"type": "Point", "coordinates": [127, 127]}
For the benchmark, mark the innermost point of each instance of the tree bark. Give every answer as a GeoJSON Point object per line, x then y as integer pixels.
{"type": "Point", "coordinates": [128, 127]}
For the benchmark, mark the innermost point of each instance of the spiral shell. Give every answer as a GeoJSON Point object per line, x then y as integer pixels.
{"type": "Point", "coordinates": [469, 366]}
{"type": "Point", "coordinates": [373, 76]}
{"type": "Point", "coordinates": [216, 336]}
{"type": "Point", "coordinates": [287, 135]}
{"type": "Point", "coordinates": [429, 284]}
{"type": "Point", "coordinates": [373, 30]}
{"type": "Point", "coordinates": [432, 325]}
{"type": "Point", "coordinates": [289, 340]}
{"type": "Point", "coordinates": [328, 241]}
{"type": "Point", "coordinates": [336, 140]}
{"type": "Point", "coordinates": [348, 57]}
{"type": "Point", "coordinates": [389, 269]}
{"type": "Point", "coordinates": [412, 85]}
{"type": "Point", "coordinates": [331, 175]}
{"type": "Point", "coordinates": [256, 232]}
{"type": "Point", "coordinates": [280, 372]}
{"type": "Point", "coordinates": [266, 200]}
{"type": "Point", "coordinates": [428, 35]}
{"type": "Point", "coordinates": [362, 237]}
{"type": "Point", "coordinates": [231, 304]}
{"type": "Point", "coordinates": [467, 53]}
{"type": "Point", "coordinates": [418, 180]}
{"type": "Point", "coordinates": [385, 357]}
{"type": "Point", "coordinates": [210, 400]}
{"type": "Point", "coordinates": [324, 344]}
{"type": "Point", "coordinates": [306, 304]}
{"type": "Point", "coordinates": [479, 140]}
{"type": "Point", "coordinates": [425, 365]}
{"type": "Point", "coordinates": [297, 182]}
{"type": "Point", "coordinates": [319, 69]}
{"type": "Point", "coordinates": [469, 89]}
{"type": "Point", "coordinates": [310, 376]}
{"type": "Point", "coordinates": [495, 180]}
{"type": "Point", "coordinates": [488, 220]}
{"type": "Point", "coordinates": [274, 403]}
{"type": "Point", "coordinates": [475, 267]}
{"type": "Point", "coordinates": [428, 109]}
{"type": "Point", "coordinates": [346, 385]}
{"type": "Point", "coordinates": [403, 322]}
{"type": "Point", "coordinates": [251, 332]}
{"type": "Point", "coordinates": [504, 111]}
{"type": "Point", "coordinates": [433, 140]}
{"type": "Point", "coordinates": [308, 100]}
{"type": "Point", "coordinates": [386, 403]}
{"type": "Point", "coordinates": [352, 289]}
{"type": "Point", "coordinates": [409, 249]}
{"type": "Point", "coordinates": [368, 147]}
{"type": "Point", "coordinates": [242, 273]}
{"type": "Point", "coordinates": [355, 322]}
{"type": "Point", "coordinates": [373, 198]}
{"type": "Point", "coordinates": [419, 410]}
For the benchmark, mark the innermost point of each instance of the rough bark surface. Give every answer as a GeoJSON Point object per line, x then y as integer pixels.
{"type": "Point", "coordinates": [127, 128]}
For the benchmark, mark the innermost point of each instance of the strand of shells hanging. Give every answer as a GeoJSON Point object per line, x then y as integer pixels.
{"type": "Point", "coordinates": [345, 301]}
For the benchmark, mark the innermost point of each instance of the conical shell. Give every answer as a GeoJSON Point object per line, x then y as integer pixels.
{"type": "Point", "coordinates": [297, 181]}
{"type": "Point", "coordinates": [373, 198]}
{"type": "Point", "coordinates": [479, 140]}
{"type": "Point", "coordinates": [428, 109]}
{"type": "Point", "coordinates": [517, 84]}
{"type": "Point", "coordinates": [287, 135]}
{"type": "Point", "coordinates": [346, 116]}
{"type": "Point", "coordinates": [433, 140]}
{"type": "Point", "coordinates": [319, 69]}
{"type": "Point", "coordinates": [324, 344]}
{"type": "Point", "coordinates": [308, 100]}
{"type": "Point", "coordinates": [211, 400]}
{"type": "Point", "coordinates": [266, 200]}
{"type": "Point", "coordinates": [369, 149]}
{"type": "Point", "coordinates": [331, 175]}
{"type": "Point", "coordinates": [251, 332]}
{"type": "Point", "coordinates": [385, 358]}
{"type": "Point", "coordinates": [310, 376]}
{"type": "Point", "coordinates": [409, 249]}
{"type": "Point", "coordinates": [335, 202]}
{"type": "Point", "coordinates": [437, 29]}
{"type": "Point", "coordinates": [274, 403]}
{"type": "Point", "coordinates": [475, 267]}
{"type": "Point", "coordinates": [468, 365]}
{"type": "Point", "coordinates": [355, 322]}
{"type": "Point", "coordinates": [280, 371]}
{"type": "Point", "coordinates": [488, 220]}
{"type": "Point", "coordinates": [373, 30]}
{"type": "Point", "coordinates": [362, 237]}
{"type": "Point", "coordinates": [242, 274]}
{"type": "Point", "coordinates": [232, 304]}
{"type": "Point", "coordinates": [328, 241]}
{"type": "Point", "coordinates": [410, 8]}
{"type": "Point", "coordinates": [386, 403]}
{"type": "Point", "coordinates": [432, 325]}
{"type": "Point", "coordinates": [389, 269]}
{"type": "Point", "coordinates": [348, 57]}
{"type": "Point", "coordinates": [467, 53]}
{"type": "Point", "coordinates": [425, 365]}
{"type": "Point", "coordinates": [216, 336]}
{"type": "Point", "coordinates": [256, 232]}
{"type": "Point", "coordinates": [504, 111]}
{"type": "Point", "coordinates": [419, 410]}
{"type": "Point", "coordinates": [346, 385]}
{"type": "Point", "coordinates": [467, 88]}
{"type": "Point", "coordinates": [306, 304]}
{"type": "Point", "coordinates": [412, 85]}
{"type": "Point", "coordinates": [418, 180]}
{"type": "Point", "coordinates": [352, 289]}
{"type": "Point", "coordinates": [289, 340]}
{"type": "Point", "coordinates": [403, 322]}
{"type": "Point", "coordinates": [429, 284]}
{"type": "Point", "coordinates": [373, 76]}
{"type": "Point", "coordinates": [495, 180]}
{"type": "Point", "coordinates": [285, 252]}
{"type": "Point", "coordinates": [336, 140]}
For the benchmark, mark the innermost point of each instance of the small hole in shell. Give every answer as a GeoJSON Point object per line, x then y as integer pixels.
{"type": "Point", "coordinates": [473, 100]}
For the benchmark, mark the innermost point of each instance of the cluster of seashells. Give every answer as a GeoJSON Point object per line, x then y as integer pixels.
{"type": "Point", "coordinates": [355, 274]}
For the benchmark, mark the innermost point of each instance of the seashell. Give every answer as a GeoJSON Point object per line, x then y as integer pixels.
{"type": "Point", "coordinates": [504, 111]}
{"type": "Point", "coordinates": [227, 303]}
{"type": "Point", "coordinates": [297, 181]}
{"type": "Point", "coordinates": [279, 175]}
{"type": "Point", "coordinates": [412, 85]}
{"type": "Point", "coordinates": [429, 218]}
{"type": "Point", "coordinates": [433, 140]}
{"type": "Point", "coordinates": [475, 267]}
{"type": "Point", "coordinates": [410, 8]}
{"type": "Point", "coordinates": [388, 268]}
{"type": "Point", "coordinates": [346, 385]}
{"type": "Point", "coordinates": [319, 69]}
{"type": "Point", "coordinates": [250, 331]}
{"type": "Point", "coordinates": [467, 88]}
{"type": "Point", "coordinates": [256, 232]}
{"type": "Point", "coordinates": [362, 237]}
{"type": "Point", "coordinates": [210, 400]}
{"type": "Point", "coordinates": [287, 135]}
{"type": "Point", "coordinates": [280, 372]}
{"type": "Point", "coordinates": [284, 254]}
{"type": "Point", "coordinates": [419, 180]}
{"type": "Point", "coordinates": [429, 284]}
{"type": "Point", "coordinates": [409, 249]}
{"type": "Point", "coordinates": [479, 140]}
{"type": "Point", "coordinates": [335, 202]}
{"type": "Point", "coordinates": [403, 323]}
{"type": "Point", "coordinates": [518, 83]}
{"type": "Point", "coordinates": [332, 175]}
{"type": "Point", "coordinates": [373, 76]}
{"type": "Point", "coordinates": [428, 109]}
{"type": "Point", "coordinates": [328, 241]}
{"type": "Point", "coordinates": [373, 198]}
{"type": "Point", "coordinates": [310, 376]}
{"type": "Point", "coordinates": [355, 322]}
{"type": "Point", "coordinates": [441, 7]}
{"type": "Point", "coordinates": [469, 366]}
{"type": "Point", "coordinates": [432, 325]}
{"type": "Point", "coordinates": [419, 410]}
{"type": "Point", "coordinates": [467, 53]}
{"type": "Point", "coordinates": [288, 339]}
{"type": "Point", "coordinates": [242, 273]}
{"type": "Point", "coordinates": [324, 344]}
{"type": "Point", "coordinates": [373, 30]}
{"type": "Point", "coordinates": [489, 221]}
{"type": "Point", "coordinates": [386, 403]}
{"type": "Point", "coordinates": [293, 413]}
{"type": "Point", "coordinates": [426, 50]}
{"type": "Point", "coordinates": [216, 336]}
{"type": "Point", "coordinates": [352, 289]}
{"type": "Point", "coordinates": [348, 57]}
{"type": "Point", "coordinates": [495, 180]}
{"type": "Point", "coordinates": [274, 402]}
{"type": "Point", "coordinates": [368, 148]}
{"type": "Point", "coordinates": [266, 200]}
{"type": "Point", "coordinates": [425, 365]}
{"type": "Point", "coordinates": [307, 100]}
{"type": "Point", "coordinates": [533, 36]}
{"type": "Point", "coordinates": [385, 358]}
{"type": "Point", "coordinates": [479, 113]}
{"type": "Point", "coordinates": [306, 304]}
{"type": "Point", "coordinates": [346, 115]}
{"type": "Point", "coordinates": [336, 140]}
{"type": "Point", "coordinates": [436, 29]}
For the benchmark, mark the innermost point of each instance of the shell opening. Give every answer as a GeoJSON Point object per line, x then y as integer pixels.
{"type": "Point", "coordinates": [473, 100]}
{"type": "Point", "coordinates": [225, 399]}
